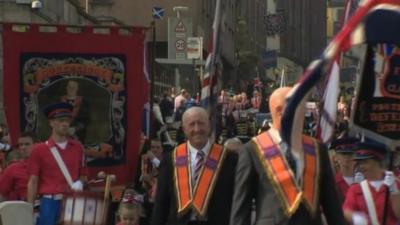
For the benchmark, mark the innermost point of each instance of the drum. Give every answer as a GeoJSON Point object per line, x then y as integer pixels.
{"type": "Point", "coordinates": [84, 208]}
{"type": "Point", "coordinates": [16, 212]}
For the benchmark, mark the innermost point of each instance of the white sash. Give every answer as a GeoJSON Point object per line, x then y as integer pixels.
{"type": "Point", "coordinates": [370, 202]}
{"type": "Point", "coordinates": [61, 165]}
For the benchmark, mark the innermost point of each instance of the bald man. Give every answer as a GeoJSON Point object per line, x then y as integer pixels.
{"type": "Point", "coordinates": [289, 187]}
{"type": "Point", "coordinates": [195, 184]}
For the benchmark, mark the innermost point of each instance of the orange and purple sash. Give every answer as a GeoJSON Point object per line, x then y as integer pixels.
{"type": "Point", "coordinates": [289, 192]}
{"type": "Point", "coordinates": [204, 187]}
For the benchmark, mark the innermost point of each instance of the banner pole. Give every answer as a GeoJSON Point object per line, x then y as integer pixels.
{"type": "Point", "coordinates": [152, 75]}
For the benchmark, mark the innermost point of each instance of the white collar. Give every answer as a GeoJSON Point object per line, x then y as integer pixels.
{"type": "Point", "coordinates": [205, 149]}
{"type": "Point", "coordinates": [276, 137]}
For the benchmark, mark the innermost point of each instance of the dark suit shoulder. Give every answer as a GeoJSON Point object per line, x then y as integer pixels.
{"type": "Point", "coordinates": [231, 156]}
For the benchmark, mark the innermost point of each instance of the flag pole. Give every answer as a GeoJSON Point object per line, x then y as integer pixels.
{"type": "Point", "coordinates": [201, 64]}
{"type": "Point", "coordinates": [283, 83]}
{"type": "Point", "coordinates": [210, 78]}
{"type": "Point", "coordinates": [152, 74]}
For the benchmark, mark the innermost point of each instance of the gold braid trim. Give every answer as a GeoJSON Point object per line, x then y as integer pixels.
{"type": "Point", "coordinates": [313, 208]}
{"type": "Point", "coordinates": [288, 210]}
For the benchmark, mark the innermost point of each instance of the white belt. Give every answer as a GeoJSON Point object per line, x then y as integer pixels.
{"type": "Point", "coordinates": [54, 196]}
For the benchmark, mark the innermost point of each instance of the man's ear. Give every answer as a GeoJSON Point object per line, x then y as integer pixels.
{"type": "Point", "coordinates": [51, 122]}
{"type": "Point", "coordinates": [279, 110]}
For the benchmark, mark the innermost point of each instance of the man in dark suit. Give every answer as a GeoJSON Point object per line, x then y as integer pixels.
{"type": "Point", "coordinates": [195, 184]}
{"type": "Point", "coordinates": [289, 186]}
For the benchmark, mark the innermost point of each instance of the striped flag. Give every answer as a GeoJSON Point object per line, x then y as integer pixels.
{"type": "Point", "coordinates": [213, 66]}
{"type": "Point", "coordinates": [328, 112]}
{"type": "Point", "coordinates": [331, 90]}
{"type": "Point", "coordinates": [364, 26]}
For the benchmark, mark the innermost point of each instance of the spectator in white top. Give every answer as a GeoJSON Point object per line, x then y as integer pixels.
{"type": "Point", "coordinates": [178, 99]}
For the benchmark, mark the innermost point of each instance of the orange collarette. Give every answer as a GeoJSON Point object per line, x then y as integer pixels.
{"type": "Point", "coordinates": [276, 167]}
{"type": "Point", "coordinates": [204, 187]}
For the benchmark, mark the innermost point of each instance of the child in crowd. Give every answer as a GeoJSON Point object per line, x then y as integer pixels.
{"type": "Point", "coordinates": [130, 209]}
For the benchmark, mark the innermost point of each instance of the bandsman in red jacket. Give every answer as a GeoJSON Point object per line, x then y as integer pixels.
{"type": "Point", "coordinates": [344, 177]}
{"type": "Point", "coordinates": [365, 201]}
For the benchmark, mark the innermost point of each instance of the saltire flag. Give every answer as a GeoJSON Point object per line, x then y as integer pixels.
{"type": "Point", "coordinates": [331, 90]}
{"type": "Point", "coordinates": [158, 12]}
{"type": "Point", "coordinates": [213, 63]}
{"type": "Point", "coordinates": [372, 22]}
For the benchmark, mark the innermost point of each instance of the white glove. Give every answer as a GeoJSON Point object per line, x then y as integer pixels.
{"type": "Point", "coordinates": [358, 177]}
{"type": "Point", "coordinates": [77, 186]}
{"type": "Point", "coordinates": [390, 181]}
{"type": "Point", "coordinates": [359, 218]}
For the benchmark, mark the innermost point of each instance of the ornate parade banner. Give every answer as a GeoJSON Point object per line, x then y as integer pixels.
{"type": "Point", "coordinates": [375, 114]}
{"type": "Point", "coordinates": [100, 74]}
{"type": "Point", "coordinates": [377, 106]}
{"type": "Point", "coordinates": [93, 84]}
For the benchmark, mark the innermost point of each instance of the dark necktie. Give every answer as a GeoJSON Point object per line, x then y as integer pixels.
{"type": "Point", "coordinates": [199, 165]}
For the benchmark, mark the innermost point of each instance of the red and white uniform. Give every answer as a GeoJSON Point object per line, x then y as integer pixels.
{"type": "Point", "coordinates": [341, 184]}
{"type": "Point", "coordinates": [14, 181]}
{"type": "Point", "coordinates": [355, 202]}
{"type": "Point", "coordinates": [43, 164]}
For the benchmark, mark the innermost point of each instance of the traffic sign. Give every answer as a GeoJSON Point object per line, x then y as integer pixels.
{"type": "Point", "coordinates": [180, 27]}
{"type": "Point", "coordinates": [193, 47]}
{"type": "Point", "coordinates": [180, 45]}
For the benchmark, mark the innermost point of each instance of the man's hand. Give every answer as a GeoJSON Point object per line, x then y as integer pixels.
{"type": "Point", "coordinates": [390, 181]}
{"type": "Point", "coordinates": [359, 218]}
{"type": "Point", "coordinates": [77, 186]}
{"type": "Point", "coordinates": [358, 177]}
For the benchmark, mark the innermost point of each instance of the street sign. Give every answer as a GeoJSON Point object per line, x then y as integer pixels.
{"type": "Point", "coordinates": [179, 29]}
{"type": "Point", "coordinates": [180, 45]}
{"type": "Point", "coordinates": [193, 47]}
{"type": "Point", "coordinates": [158, 12]}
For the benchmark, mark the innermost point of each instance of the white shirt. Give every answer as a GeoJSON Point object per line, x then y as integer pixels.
{"type": "Point", "coordinates": [376, 184]}
{"type": "Point", "coordinates": [62, 145]}
{"type": "Point", "coordinates": [193, 154]}
{"type": "Point", "coordinates": [178, 101]}
{"type": "Point", "coordinates": [349, 180]}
